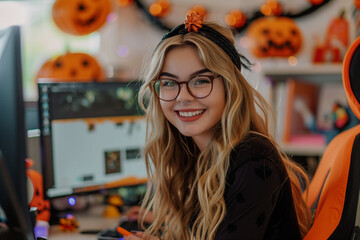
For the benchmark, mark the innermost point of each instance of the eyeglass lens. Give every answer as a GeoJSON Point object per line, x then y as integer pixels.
{"type": "Point", "coordinates": [199, 87]}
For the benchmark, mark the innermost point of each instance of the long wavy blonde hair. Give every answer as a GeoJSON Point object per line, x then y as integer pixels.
{"type": "Point", "coordinates": [186, 186]}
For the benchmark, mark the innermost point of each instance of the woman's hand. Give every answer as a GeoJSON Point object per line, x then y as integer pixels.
{"type": "Point", "coordinates": [138, 236]}
{"type": "Point", "coordinates": [135, 236]}
{"type": "Point", "coordinates": [134, 213]}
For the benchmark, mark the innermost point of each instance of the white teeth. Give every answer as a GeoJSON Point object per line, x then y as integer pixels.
{"type": "Point", "coordinates": [190, 114]}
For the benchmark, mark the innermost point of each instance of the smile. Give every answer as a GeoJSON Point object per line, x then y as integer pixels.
{"type": "Point", "coordinates": [190, 114]}
{"type": "Point", "coordinates": [88, 21]}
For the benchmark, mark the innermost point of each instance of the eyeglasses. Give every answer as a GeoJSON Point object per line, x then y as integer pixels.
{"type": "Point", "coordinates": [199, 86]}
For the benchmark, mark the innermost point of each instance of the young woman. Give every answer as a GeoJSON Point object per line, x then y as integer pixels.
{"type": "Point", "coordinates": [214, 170]}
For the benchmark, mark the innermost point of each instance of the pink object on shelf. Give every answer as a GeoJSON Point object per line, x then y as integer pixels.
{"type": "Point", "coordinates": [308, 139]}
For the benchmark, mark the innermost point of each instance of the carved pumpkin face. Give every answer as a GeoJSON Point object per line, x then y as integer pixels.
{"type": "Point", "coordinates": [274, 37]}
{"type": "Point", "coordinates": [80, 17]}
{"type": "Point", "coordinates": [71, 67]}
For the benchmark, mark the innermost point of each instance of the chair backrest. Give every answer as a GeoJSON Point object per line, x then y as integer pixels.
{"type": "Point", "coordinates": [334, 189]}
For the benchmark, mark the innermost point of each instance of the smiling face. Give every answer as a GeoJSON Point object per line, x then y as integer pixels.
{"type": "Point", "coordinates": [274, 37]}
{"type": "Point", "coordinates": [80, 17]}
{"type": "Point", "coordinates": [87, 13]}
{"type": "Point", "coordinates": [193, 117]}
{"type": "Point", "coordinates": [71, 67]}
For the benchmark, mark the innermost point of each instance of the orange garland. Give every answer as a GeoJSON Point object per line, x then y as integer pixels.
{"type": "Point", "coordinates": [159, 8]}
{"type": "Point", "coordinates": [271, 8]}
{"type": "Point", "coordinates": [235, 19]}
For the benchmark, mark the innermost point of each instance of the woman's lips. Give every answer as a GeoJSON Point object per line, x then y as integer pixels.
{"type": "Point", "coordinates": [190, 115]}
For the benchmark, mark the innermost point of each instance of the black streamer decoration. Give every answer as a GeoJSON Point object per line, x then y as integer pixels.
{"type": "Point", "coordinates": [154, 20]}
{"type": "Point", "coordinates": [161, 25]}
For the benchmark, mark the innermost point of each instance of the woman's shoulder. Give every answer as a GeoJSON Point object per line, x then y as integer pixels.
{"type": "Point", "coordinates": [255, 156]}
{"type": "Point", "coordinates": [255, 146]}
{"type": "Point", "coordinates": [256, 151]}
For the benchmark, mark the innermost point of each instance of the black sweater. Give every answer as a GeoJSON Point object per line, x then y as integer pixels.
{"type": "Point", "coordinates": [258, 195]}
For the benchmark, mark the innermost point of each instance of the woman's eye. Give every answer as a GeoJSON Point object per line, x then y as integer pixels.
{"type": "Point", "coordinates": [168, 83]}
{"type": "Point", "coordinates": [201, 81]}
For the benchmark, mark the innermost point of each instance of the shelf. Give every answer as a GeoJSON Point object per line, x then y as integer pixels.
{"type": "Point", "coordinates": [315, 69]}
{"type": "Point", "coordinates": [319, 74]}
{"type": "Point", "coordinates": [303, 149]}
{"type": "Point", "coordinates": [314, 73]}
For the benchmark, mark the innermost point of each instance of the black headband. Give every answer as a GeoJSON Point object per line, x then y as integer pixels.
{"type": "Point", "coordinates": [217, 38]}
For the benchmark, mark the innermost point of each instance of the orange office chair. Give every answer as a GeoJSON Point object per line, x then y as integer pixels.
{"type": "Point", "coordinates": [334, 189]}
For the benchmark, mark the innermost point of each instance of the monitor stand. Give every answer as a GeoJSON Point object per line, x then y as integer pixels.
{"type": "Point", "coordinates": [13, 234]}
{"type": "Point", "coordinates": [18, 221]}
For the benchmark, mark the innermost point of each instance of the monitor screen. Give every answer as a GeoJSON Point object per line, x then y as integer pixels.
{"type": "Point", "coordinates": [92, 136]}
{"type": "Point", "coordinates": [13, 183]}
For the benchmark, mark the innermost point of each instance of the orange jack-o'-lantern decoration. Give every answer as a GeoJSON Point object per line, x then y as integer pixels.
{"type": "Point", "coordinates": [80, 17]}
{"type": "Point", "coordinates": [274, 37]}
{"type": "Point", "coordinates": [38, 201]}
{"type": "Point", "coordinates": [235, 19]}
{"type": "Point", "coordinates": [71, 67]}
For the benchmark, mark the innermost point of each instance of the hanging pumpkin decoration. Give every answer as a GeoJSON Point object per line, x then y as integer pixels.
{"type": "Point", "coordinates": [71, 67]}
{"type": "Point", "coordinates": [159, 8]}
{"type": "Point", "coordinates": [199, 9]}
{"type": "Point", "coordinates": [80, 17]}
{"type": "Point", "coordinates": [235, 19]}
{"type": "Point", "coordinates": [274, 37]}
{"type": "Point", "coordinates": [37, 200]}
{"type": "Point", "coordinates": [271, 8]}
{"type": "Point", "coordinates": [316, 2]}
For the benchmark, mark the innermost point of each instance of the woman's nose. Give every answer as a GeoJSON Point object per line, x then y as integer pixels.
{"type": "Point", "coordinates": [184, 94]}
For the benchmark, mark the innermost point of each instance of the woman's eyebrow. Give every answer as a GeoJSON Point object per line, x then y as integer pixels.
{"type": "Point", "coordinates": [167, 74]}
{"type": "Point", "coordinates": [200, 71]}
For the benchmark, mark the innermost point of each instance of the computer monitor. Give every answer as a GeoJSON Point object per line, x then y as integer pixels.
{"type": "Point", "coordinates": [92, 136]}
{"type": "Point", "coordinates": [13, 181]}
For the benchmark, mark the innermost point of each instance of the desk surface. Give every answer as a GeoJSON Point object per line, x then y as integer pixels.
{"type": "Point", "coordinates": [91, 219]}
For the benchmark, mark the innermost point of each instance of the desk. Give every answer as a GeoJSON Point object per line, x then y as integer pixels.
{"type": "Point", "coordinates": [91, 219]}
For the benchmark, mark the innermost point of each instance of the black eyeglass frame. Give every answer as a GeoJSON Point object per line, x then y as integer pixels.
{"type": "Point", "coordinates": [212, 78]}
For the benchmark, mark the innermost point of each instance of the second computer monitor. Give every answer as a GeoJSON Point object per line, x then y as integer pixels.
{"type": "Point", "coordinates": [92, 135]}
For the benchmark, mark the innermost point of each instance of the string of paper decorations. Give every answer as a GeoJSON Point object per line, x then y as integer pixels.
{"type": "Point", "coordinates": [235, 18]}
